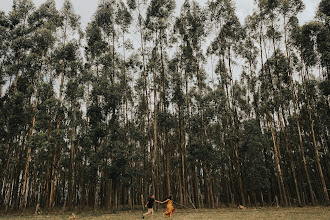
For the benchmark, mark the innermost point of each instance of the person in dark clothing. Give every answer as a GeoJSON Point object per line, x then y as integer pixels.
{"type": "Point", "coordinates": [150, 205]}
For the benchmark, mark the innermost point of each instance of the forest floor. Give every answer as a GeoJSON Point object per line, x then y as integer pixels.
{"type": "Point", "coordinates": [313, 213]}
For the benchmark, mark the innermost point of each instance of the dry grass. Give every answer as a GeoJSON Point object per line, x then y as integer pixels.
{"type": "Point", "coordinates": [313, 213]}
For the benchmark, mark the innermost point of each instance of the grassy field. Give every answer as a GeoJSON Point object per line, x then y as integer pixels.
{"type": "Point", "coordinates": [313, 213]}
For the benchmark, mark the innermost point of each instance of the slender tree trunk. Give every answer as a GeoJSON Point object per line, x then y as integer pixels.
{"type": "Point", "coordinates": [209, 185]}
{"type": "Point", "coordinates": [317, 155]}
{"type": "Point", "coordinates": [113, 56]}
{"type": "Point", "coordinates": [147, 115]}
{"type": "Point", "coordinates": [292, 166]}
{"type": "Point", "coordinates": [155, 150]}
{"type": "Point", "coordinates": [57, 145]}
{"type": "Point", "coordinates": [71, 178]}
{"type": "Point", "coordinates": [27, 163]}
{"type": "Point", "coordinates": [277, 160]}
{"type": "Point", "coordinates": [168, 166]}
{"type": "Point", "coordinates": [297, 119]}
{"type": "Point", "coordinates": [304, 158]}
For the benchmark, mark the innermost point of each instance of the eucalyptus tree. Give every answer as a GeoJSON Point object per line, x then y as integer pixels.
{"type": "Point", "coordinates": [123, 20]}
{"type": "Point", "coordinates": [65, 54]}
{"type": "Point", "coordinates": [18, 19]}
{"type": "Point", "coordinates": [177, 101]}
{"type": "Point", "coordinates": [135, 130]}
{"type": "Point", "coordinates": [282, 98]}
{"type": "Point", "coordinates": [97, 33]}
{"type": "Point", "coordinates": [219, 138]}
{"type": "Point", "coordinates": [142, 122]}
{"type": "Point", "coordinates": [44, 22]}
{"type": "Point", "coordinates": [16, 99]}
{"type": "Point", "coordinates": [310, 99]}
{"type": "Point", "coordinates": [43, 139]}
{"type": "Point", "coordinates": [4, 25]}
{"type": "Point", "coordinates": [269, 10]}
{"type": "Point", "coordinates": [93, 51]}
{"type": "Point", "coordinates": [310, 43]}
{"type": "Point", "coordinates": [143, 94]}
{"type": "Point", "coordinates": [314, 35]}
{"type": "Point", "coordinates": [225, 45]}
{"type": "Point", "coordinates": [94, 117]}
{"type": "Point", "coordinates": [256, 173]}
{"type": "Point", "coordinates": [108, 107]}
{"type": "Point", "coordinates": [274, 82]}
{"type": "Point", "coordinates": [73, 96]}
{"type": "Point", "coordinates": [321, 28]}
{"type": "Point", "coordinates": [249, 52]}
{"type": "Point", "coordinates": [289, 11]}
{"type": "Point", "coordinates": [157, 23]}
{"type": "Point", "coordinates": [190, 33]}
{"type": "Point", "coordinates": [323, 47]}
{"type": "Point", "coordinates": [137, 9]}
{"type": "Point", "coordinates": [105, 18]}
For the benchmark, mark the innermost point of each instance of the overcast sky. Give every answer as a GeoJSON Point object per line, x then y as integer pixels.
{"type": "Point", "coordinates": [86, 8]}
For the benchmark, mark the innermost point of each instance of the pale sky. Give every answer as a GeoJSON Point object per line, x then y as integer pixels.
{"type": "Point", "coordinates": [86, 8]}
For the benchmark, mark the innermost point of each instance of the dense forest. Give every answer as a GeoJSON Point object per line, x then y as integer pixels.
{"type": "Point", "coordinates": [147, 101]}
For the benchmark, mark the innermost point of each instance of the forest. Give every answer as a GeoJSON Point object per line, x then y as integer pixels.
{"type": "Point", "coordinates": [146, 101]}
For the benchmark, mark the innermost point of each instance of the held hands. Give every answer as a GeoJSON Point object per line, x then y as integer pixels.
{"type": "Point", "coordinates": [165, 201]}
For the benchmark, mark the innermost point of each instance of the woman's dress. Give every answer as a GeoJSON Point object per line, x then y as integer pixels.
{"type": "Point", "coordinates": [169, 209]}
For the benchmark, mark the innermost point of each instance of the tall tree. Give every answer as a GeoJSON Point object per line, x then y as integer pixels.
{"type": "Point", "coordinates": [157, 22]}
{"type": "Point", "coordinates": [65, 53]}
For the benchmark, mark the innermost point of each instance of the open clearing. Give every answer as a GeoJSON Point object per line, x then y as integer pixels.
{"type": "Point", "coordinates": [313, 213]}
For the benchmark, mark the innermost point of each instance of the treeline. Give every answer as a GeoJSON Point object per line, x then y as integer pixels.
{"type": "Point", "coordinates": [90, 119]}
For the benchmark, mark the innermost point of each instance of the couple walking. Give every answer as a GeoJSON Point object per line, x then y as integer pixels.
{"type": "Point", "coordinates": [169, 209]}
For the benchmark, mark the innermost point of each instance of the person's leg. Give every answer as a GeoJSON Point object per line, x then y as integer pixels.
{"type": "Point", "coordinates": [152, 213]}
{"type": "Point", "coordinates": [149, 211]}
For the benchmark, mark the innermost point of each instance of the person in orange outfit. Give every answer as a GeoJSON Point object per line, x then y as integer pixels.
{"type": "Point", "coordinates": [169, 209]}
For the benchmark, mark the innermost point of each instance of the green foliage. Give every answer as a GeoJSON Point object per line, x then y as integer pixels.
{"type": "Point", "coordinates": [307, 43]}
{"type": "Point", "coordinates": [323, 11]}
{"type": "Point", "coordinates": [104, 16]}
{"type": "Point", "coordinates": [157, 13]}
{"type": "Point", "coordinates": [132, 4]}
{"type": "Point", "coordinates": [69, 18]}
{"type": "Point", "coordinates": [252, 153]}
{"type": "Point", "coordinates": [94, 40]}
{"type": "Point", "coordinates": [123, 17]}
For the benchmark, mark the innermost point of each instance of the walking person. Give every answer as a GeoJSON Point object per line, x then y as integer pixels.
{"type": "Point", "coordinates": [150, 205]}
{"type": "Point", "coordinates": [169, 208]}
